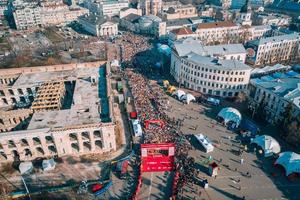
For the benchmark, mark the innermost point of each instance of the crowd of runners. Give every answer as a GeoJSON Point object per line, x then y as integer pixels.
{"type": "Point", "coordinates": [151, 104]}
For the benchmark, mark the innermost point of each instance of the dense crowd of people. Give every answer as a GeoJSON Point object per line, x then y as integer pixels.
{"type": "Point", "coordinates": [130, 44]}
{"type": "Point", "coordinates": [151, 104]}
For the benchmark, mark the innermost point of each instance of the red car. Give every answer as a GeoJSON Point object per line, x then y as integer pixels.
{"type": "Point", "coordinates": [96, 187]}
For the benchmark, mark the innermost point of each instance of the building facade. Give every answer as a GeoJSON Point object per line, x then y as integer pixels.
{"type": "Point", "coordinates": [106, 8]}
{"type": "Point", "coordinates": [98, 25]}
{"type": "Point", "coordinates": [180, 12]}
{"type": "Point", "coordinates": [46, 14]}
{"type": "Point", "coordinates": [53, 111]}
{"type": "Point", "coordinates": [218, 32]}
{"type": "Point", "coordinates": [151, 7]}
{"type": "Point", "coordinates": [274, 94]}
{"type": "Point", "coordinates": [199, 71]}
{"type": "Point", "coordinates": [274, 49]}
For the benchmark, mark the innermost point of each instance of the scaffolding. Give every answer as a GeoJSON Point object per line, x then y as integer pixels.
{"type": "Point", "coordinates": [49, 96]}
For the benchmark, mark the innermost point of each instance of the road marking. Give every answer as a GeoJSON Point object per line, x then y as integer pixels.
{"type": "Point", "coordinates": [149, 194]}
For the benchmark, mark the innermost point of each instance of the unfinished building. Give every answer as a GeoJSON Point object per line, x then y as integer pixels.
{"type": "Point", "coordinates": [55, 112]}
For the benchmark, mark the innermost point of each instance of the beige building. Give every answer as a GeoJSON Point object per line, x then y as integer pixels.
{"type": "Point", "coordinates": [181, 33]}
{"type": "Point", "coordinates": [98, 25]}
{"type": "Point", "coordinates": [180, 12]}
{"type": "Point", "coordinates": [46, 14]}
{"type": "Point", "coordinates": [275, 49]}
{"type": "Point", "coordinates": [151, 7]}
{"type": "Point", "coordinates": [218, 32]}
{"type": "Point", "coordinates": [54, 111]}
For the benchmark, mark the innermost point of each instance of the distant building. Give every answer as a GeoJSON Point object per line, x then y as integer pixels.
{"type": "Point", "coordinates": [150, 7]}
{"type": "Point", "coordinates": [217, 32]}
{"type": "Point", "coordinates": [275, 92]}
{"type": "Point", "coordinates": [245, 15]}
{"type": "Point", "coordinates": [147, 24]}
{"type": "Point", "coordinates": [274, 49]}
{"type": "Point", "coordinates": [45, 14]}
{"type": "Point", "coordinates": [180, 12]}
{"type": "Point", "coordinates": [107, 7]}
{"type": "Point", "coordinates": [98, 25]}
{"type": "Point", "coordinates": [271, 19]}
{"type": "Point", "coordinates": [126, 11]}
{"type": "Point", "coordinates": [180, 33]}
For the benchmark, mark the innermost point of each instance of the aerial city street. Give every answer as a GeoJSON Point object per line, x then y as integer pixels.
{"type": "Point", "coordinates": [150, 99]}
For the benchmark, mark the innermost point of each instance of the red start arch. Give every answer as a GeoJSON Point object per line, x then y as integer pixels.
{"type": "Point", "coordinates": [154, 121]}
{"type": "Point", "coordinates": [157, 157]}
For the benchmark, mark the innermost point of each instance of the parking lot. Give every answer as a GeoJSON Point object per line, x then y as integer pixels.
{"type": "Point", "coordinates": [256, 178]}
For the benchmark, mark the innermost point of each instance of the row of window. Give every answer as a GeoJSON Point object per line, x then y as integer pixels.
{"type": "Point", "coordinates": [217, 85]}
{"type": "Point", "coordinates": [213, 77]}
{"type": "Point", "coordinates": [186, 69]}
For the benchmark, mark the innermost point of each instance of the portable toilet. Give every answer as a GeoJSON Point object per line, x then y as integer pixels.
{"type": "Point", "coordinates": [213, 169]}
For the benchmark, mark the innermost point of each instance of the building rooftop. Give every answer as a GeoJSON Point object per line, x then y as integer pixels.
{"type": "Point", "coordinates": [178, 22]}
{"type": "Point", "coordinates": [66, 98]}
{"type": "Point", "coordinates": [218, 64]}
{"type": "Point", "coordinates": [219, 24]}
{"type": "Point", "coordinates": [275, 39]}
{"type": "Point", "coordinates": [287, 87]}
{"type": "Point", "coordinates": [183, 47]}
{"type": "Point", "coordinates": [93, 19]}
{"type": "Point", "coordinates": [84, 110]}
{"type": "Point", "coordinates": [182, 31]}
{"type": "Point", "coordinates": [131, 17]}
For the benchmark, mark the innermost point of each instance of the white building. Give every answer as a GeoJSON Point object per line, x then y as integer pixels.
{"type": "Point", "coordinates": [271, 19]}
{"type": "Point", "coordinates": [275, 92]}
{"type": "Point", "coordinates": [192, 66]}
{"type": "Point", "coordinates": [224, 51]}
{"type": "Point", "coordinates": [107, 7]}
{"type": "Point", "coordinates": [274, 49]}
{"type": "Point", "coordinates": [27, 16]}
{"type": "Point", "coordinates": [218, 32]}
{"type": "Point", "coordinates": [98, 25]}
{"type": "Point", "coordinates": [46, 14]}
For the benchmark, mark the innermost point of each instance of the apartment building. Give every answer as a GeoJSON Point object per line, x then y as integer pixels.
{"type": "Point", "coordinates": [107, 7]}
{"type": "Point", "coordinates": [28, 16]}
{"type": "Point", "coordinates": [46, 14]}
{"type": "Point", "coordinates": [271, 19]}
{"type": "Point", "coordinates": [98, 25]}
{"type": "Point", "coordinates": [218, 32]}
{"type": "Point", "coordinates": [274, 49]}
{"type": "Point", "coordinates": [151, 7]}
{"type": "Point", "coordinates": [275, 92]}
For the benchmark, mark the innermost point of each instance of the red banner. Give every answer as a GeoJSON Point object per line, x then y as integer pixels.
{"type": "Point", "coordinates": [157, 157]}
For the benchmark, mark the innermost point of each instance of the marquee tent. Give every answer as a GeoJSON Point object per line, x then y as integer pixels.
{"type": "Point", "coordinates": [179, 94]}
{"type": "Point", "coordinates": [290, 161]}
{"type": "Point", "coordinates": [231, 116]}
{"type": "Point", "coordinates": [268, 144]}
{"type": "Point", "coordinates": [188, 98]}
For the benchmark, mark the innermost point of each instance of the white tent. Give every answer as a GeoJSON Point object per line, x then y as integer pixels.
{"type": "Point", "coordinates": [268, 144]}
{"type": "Point", "coordinates": [179, 94]}
{"type": "Point", "coordinates": [25, 167]}
{"type": "Point", "coordinates": [230, 115]}
{"type": "Point", "coordinates": [48, 164]}
{"type": "Point", "coordinates": [188, 98]}
{"type": "Point", "coordinates": [290, 161]}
